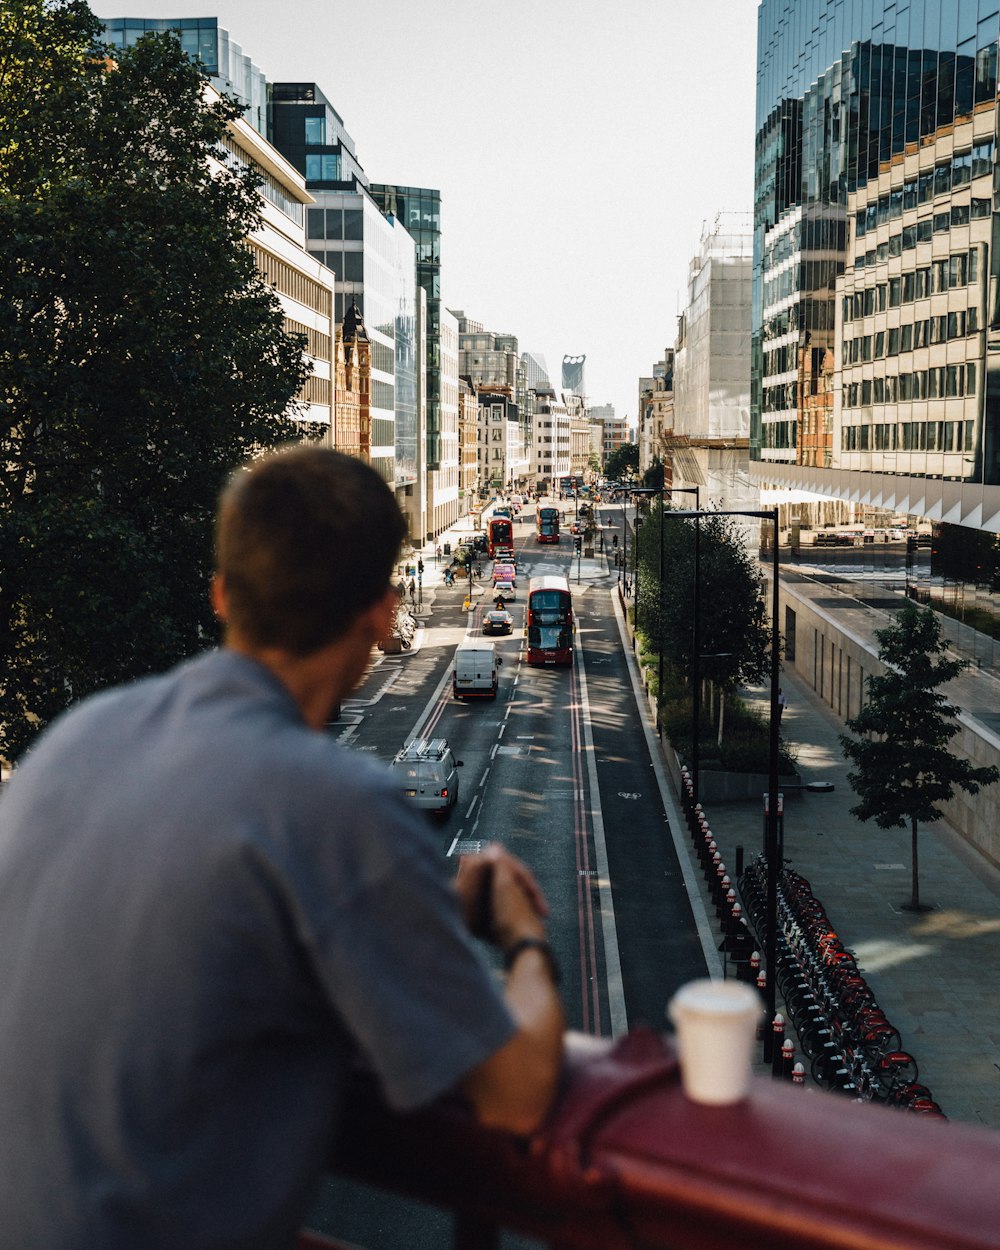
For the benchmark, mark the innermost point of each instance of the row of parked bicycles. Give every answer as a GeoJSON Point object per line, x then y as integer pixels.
{"type": "Point", "coordinates": [851, 1046]}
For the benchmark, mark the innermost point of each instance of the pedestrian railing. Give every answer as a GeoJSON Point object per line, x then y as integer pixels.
{"type": "Point", "coordinates": [627, 1160]}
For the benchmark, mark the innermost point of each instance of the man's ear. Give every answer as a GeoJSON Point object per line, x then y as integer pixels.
{"type": "Point", "coordinates": [218, 594]}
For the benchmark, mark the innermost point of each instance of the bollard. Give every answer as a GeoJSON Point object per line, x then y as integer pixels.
{"type": "Point", "coordinates": [762, 991]}
{"type": "Point", "coordinates": [787, 1059]}
{"type": "Point", "coordinates": [755, 962]}
{"type": "Point", "coordinates": [799, 1074]}
{"type": "Point", "coordinates": [778, 1033]}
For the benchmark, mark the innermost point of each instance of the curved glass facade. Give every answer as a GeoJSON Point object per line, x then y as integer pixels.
{"type": "Point", "coordinates": [875, 369]}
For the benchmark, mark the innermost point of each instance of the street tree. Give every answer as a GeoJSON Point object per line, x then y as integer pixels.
{"type": "Point", "coordinates": [735, 634]}
{"type": "Point", "coordinates": [903, 770]}
{"type": "Point", "coordinates": [654, 476]}
{"type": "Point", "coordinates": [622, 462]}
{"type": "Point", "coordinates": [142, 357]}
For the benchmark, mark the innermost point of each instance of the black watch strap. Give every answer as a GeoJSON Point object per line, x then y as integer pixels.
{"type": "Point", "coordinates": [533, 943]}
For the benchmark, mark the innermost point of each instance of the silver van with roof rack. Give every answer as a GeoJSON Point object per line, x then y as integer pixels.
{"type": "Point", "coordinates": [427, 772]}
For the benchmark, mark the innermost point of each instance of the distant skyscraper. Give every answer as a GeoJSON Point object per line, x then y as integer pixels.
{"type": "Point", "coordinates": [536, 373]}
{"type": "Point", "coordinates": [572, 374]}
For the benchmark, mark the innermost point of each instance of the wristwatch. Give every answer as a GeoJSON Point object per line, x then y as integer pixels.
{"type": "Point", "coordinates": [533, 943]}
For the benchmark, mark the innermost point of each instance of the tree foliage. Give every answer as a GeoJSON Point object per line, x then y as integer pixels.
{"type": "Point", "coordinates": [622, 461]}
{"type": "Point", "coordinates": [654, 476]}
{"type": "Point", "coordinates": [903, 770]}
{"type": "Point", "coordinates": [735, 635]}
{"type": "Point", "coordinates": [142, 357]}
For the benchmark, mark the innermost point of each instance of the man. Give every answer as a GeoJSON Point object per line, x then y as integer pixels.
{"type": "Point", "coordinates": [209, 911]}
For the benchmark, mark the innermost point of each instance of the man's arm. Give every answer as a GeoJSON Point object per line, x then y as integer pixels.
{"type": "Point", "coordinates": [515, 1087]}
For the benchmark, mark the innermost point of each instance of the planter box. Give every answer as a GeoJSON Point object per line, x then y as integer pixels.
{"type": "Point", "coordinates": [717, 786]}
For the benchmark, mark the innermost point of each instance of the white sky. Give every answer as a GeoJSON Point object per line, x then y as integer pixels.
{"type": "Point", "coordinates": [579, 147]}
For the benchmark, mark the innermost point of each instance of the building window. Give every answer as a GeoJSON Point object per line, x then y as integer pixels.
{"type": "Point", "coordinates": [323, 167]}
{"type": "Point", "coordinates": [315, 131]}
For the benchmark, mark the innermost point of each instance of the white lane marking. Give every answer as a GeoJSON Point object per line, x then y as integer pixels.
{"type": "Point", "coordinates": [482, 779]}
{"type": "Point", "coordinates": [493, 753]}
{"type": "Point", "coordinates": [609, 929]}
{"type": "Point", "coordinates": [451, 849]}
{"type": "Point", "coordinates": [500, 731]}
{"type": "Point", "coordinates": [475, 800]}
{"type": "Point", "coordinates": [675, 820]}
{"type": "Point", "coordinates": [431, 704]}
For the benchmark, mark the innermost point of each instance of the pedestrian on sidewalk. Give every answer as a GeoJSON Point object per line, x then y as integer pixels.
{"type": "Point", "coordinates": [413, 591]}
{"type": "Point", "coordinates": [782, 701]}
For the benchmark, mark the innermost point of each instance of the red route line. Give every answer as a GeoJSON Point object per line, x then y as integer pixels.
{"type": "Point", "coordinates": [585, 906]}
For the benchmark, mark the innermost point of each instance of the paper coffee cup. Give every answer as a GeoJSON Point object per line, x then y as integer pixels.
{"type": "Point", "coordinates": [716, 1026]}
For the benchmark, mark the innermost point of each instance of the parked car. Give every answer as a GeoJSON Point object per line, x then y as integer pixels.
{"type": "Point", "coordinates": [427, 773]}
{"type": "Point", "coordinates": [498, 621]}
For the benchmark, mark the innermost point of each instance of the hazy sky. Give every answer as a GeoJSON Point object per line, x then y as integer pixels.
{"type": "Point", "coordinates": [579, 147]}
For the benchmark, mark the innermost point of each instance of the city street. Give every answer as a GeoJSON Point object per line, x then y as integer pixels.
{"type": "Point", "coordinates": [557, 769]}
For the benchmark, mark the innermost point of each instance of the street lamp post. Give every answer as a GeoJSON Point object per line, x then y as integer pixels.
{"type": "Point", "coordinates": [772, 849]}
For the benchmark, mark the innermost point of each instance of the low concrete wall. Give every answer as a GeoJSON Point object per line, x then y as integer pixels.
{"type": "Point", "coordinates": [835, 663]}
{"type": "Point", "coordinates": [718, 786]}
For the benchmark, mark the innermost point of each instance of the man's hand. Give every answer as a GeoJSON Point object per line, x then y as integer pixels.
{"type": "Point", "coordinates": [502, 902]}
{"type": "Point", "coordinates": [500, 898]}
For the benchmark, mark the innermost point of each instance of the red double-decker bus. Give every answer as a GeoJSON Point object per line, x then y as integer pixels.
{"type": "Point", "coordinates": [547, 524]}
{"type": "Point", "coordinates": [549, 621]}
{"type": "Point", "coordinates": [500, 535]}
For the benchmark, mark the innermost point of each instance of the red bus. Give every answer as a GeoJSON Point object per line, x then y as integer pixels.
{"type": "Point", "coordinates": [547, 524]}
{"type": "Point", "coordinates": [500, 535]}
{"type": "Point", "coordinates": [549, 621]}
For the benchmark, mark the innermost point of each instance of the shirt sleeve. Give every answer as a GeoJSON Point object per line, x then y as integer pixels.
{"type": "Point", "coordinates": [401, 969]}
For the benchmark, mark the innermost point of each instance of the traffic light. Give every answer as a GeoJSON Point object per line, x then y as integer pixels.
{"type": "Point", "coordinates": [577, 544]}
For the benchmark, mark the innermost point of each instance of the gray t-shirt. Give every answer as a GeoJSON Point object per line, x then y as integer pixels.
{"type": "Point", "coordinates": [206, 911]}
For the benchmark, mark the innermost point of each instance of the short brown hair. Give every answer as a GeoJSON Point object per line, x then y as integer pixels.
{"type": "Point", "coordinates": [306, 541]}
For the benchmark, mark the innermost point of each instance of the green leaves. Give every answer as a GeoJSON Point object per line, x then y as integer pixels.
{"type": "Point", "coordinates": [735, 635]}
{"type": "Point", "coordinates": [622, 461]}
{"type": "Point", "coordinates": [141, 357]}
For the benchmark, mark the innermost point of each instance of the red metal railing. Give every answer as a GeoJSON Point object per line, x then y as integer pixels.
{"type": "Point", "coordinates": [626, 1160]}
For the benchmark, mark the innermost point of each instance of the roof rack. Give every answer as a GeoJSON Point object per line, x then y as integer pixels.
{"type": "Point", "coordinates": [424, 748]}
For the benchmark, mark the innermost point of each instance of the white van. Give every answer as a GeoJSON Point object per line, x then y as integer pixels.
{"type": "Point", "coordinates": [477, 670]}
{"type": "Point", "coordinates": [427, 772]}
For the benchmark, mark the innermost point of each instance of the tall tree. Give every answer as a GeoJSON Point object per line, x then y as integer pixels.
{"type": "Point", "coordinates": [141, 356]}
{"type": "Point", "coordinates": [733, 626]}
{"type": "Point", "coordinates": [622, 461]}
{"type": "Point", "coordinates": [903, 768]}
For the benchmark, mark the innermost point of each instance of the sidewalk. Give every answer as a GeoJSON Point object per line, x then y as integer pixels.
{"type": "Point", "coordinates": [934, 974]}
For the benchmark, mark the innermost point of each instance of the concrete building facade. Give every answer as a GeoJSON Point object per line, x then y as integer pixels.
{"type": "Point", "coordinates": [709, 441]}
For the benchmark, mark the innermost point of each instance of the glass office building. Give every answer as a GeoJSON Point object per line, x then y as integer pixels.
{"type": "Point", "coordinates": [419, 210]}
{"type": "Point", "coordinates": [873, 259]}
{"type": "Point", "coordinates": [374, 259]}
{"type": "Point", "coordinates": [875, 372]}
{"type": "Point", "coordinates": [204, 40]}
